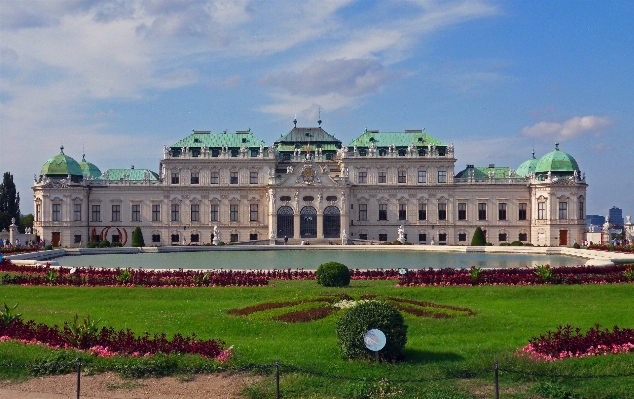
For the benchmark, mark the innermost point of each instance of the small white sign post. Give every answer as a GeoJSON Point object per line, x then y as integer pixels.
{"type": "Point", "coordinates": [374, 340]}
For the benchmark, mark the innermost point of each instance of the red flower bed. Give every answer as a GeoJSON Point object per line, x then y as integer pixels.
{"type": "Point", "coordinates": [628, 249]}
{"type": "Point", "coordinates": [17, 250]}
{"type": "Point", "coordinates": [566, 342]}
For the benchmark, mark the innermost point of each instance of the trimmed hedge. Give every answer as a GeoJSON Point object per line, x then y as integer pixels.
{"type": "Point", "coordinates": [333, 274]}
{"type": "Point", "coordinates": [478, 239]}
{"type": "Point", "coordinates": [137, 238]}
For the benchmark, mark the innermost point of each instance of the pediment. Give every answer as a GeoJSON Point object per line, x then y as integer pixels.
{"type": "Point", "coordinates": [307, 174]}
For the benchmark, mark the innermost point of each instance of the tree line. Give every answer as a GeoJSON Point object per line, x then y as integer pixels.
{"type": "Point", "coordinates": [10, 205]}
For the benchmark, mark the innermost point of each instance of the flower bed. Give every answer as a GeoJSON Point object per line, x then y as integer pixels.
{"type": "Point", "coordinates": [569, 343]}
{"type": "Point", "coordinates": [628, 249]}
{"type": "Point", "coordinates": [17, 250]}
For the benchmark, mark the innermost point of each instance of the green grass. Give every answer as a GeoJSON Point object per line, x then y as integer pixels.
{"type": "Point", "coordinates": [506, 317]}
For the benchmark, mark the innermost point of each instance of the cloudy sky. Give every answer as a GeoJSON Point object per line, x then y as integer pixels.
{"type": "Point", "coordinates": [119, 79]}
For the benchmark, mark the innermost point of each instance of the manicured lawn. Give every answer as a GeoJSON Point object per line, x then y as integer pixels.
{"type": "Point", "coordinates": [505, 318]}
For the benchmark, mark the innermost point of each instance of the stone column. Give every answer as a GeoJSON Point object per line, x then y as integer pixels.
{"type": "Point", "coordinates": [13, 232]}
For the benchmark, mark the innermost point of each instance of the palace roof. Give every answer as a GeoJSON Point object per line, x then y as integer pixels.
{"type": "Point", "coordinates": [218, 140]}
{"type": "Point", "coordinates": [399, 139]}
{"type": "Point", "coordinates": [61, 165]}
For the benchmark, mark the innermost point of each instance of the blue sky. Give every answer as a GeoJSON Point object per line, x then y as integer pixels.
{"type": "Point", "coordinates": [122, 78]}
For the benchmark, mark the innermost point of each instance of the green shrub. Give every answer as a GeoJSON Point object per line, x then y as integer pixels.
{"type": "Point", "coordinates": [365, 316]}
{"type": "Point", "coordinates": [55, 362]}
{"type": "Point", "coordinates": [48, 247]}
{"type": "Point", "coordinates": [104, 244]}
{"type": "Point", "coordinates": [137, 238]}
{"type": "Point", "coordinates": [489, 244]}
{"type": "Point", "coordinates": [478, 239]}
{"type": "Point", "coordinates": [92, 244]}
{"type": "Point", "coordinates": [528, 244]}
{"type": "Point", "coordinates": [333, 274]}
{"type": "Point", "coordinates": [504, 244]}
{"type": "Point", "coordinates": [516, 243]}
{"type": "Point", "coordinates": [396, 242]}
{"type": "Point", "coordinates": [576, 245]}
{"type": "Point", "coordinates": [116, 244]}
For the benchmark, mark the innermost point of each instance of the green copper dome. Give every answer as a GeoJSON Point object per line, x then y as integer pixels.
{"type": "Point", "coordinates": [61, 165]}
{"type": "Point", "coordinates": [557, 162]}
{"type": "Point", "coordinates": [89, 169]}
{"type": "Point", "coordinates": [527, 167]}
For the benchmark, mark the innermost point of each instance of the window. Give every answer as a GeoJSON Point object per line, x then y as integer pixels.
{"type": "Point", "coordinates": [254, 153]}
{"type": "Point", "coordinates": [38, 212]}
{"type": "Point", "coordinates": [214, 178]}
{"type": "Point", "coordinates": [136, 213]}
{"type": "Point", "coordinates": [194, 178]}
{"type": "Point", "coordinates": [234, 153]}
{"type": "Point", "coordinates": [382, 237]}
{"type": "Point", "coordinates": [382, 177]}
{"type": "Point", "coordinates": [462, 211]}
{"type": "Point", "coordinates": [482, 211]}
{"type": "Point", "coordinates": [310, 198]}
{"type": "Point", "coordinates": [563, 210]}
{"type": "Point", "coordinates": [442, 211]}
{"type": "Point", "coordinates": [115, 238]}
{"type": "Point", "coordinates": [214, 213]}
{"type": "Point", "coordinates": [502, 237]}
{"type": "Point", "coordinates": [253, 237]}
{"type": "Point", "coordinates": [194, 238]}
{"type": "Point", "coordinates": [582, 214]}
{"type": "Point", "coordinates": [233, 212]}
{"type": "Point", "coordinates": [329, 198]}
{"type": "Point", "coordinates": [57, 212]}
{"type": "Point", "coordinates": [523, 237]}
{"type": "Point", "coordinates": [233, 178]}
{"type": "Point", "coordinates": [195, 212]}
{"type": "Point", "coordinates": [175, 178]}
{"type": "Point", "coordinates": [422, 176]}
{"type": "Point", "coordinates": [442, 237]}
{"type": "Point", "coordinates": [253, 178]}
{"type": "Point", "coordinates": [116, 213]}
{"type": "Point", "coordinates": [442, 176]}
{"type": "Point", "coordinates": [253, 212]}
{"type": "Point", "coordinates": [422, 211]}
{"type": "Point", "coordinates": [363, 211]}
{"type": "Point", "coordinates": [77, 212]}
{"type": "Point", "coordinates": [363, 177]}
{"type": "Point", "coordinates": [502, 211]}
{"type": "Point", "coordinates": [175, 212]}
{"type": "Point", "coordinates": [363, 236]}
{"type": "Point", "coordinates": [96, 213]}
{"type": "Point", "coordinates": [422, 237]}
{"type": "Point", "coordinates": [462, 236]}
{"type": "Point", "coordinates": [541, 210]}
{"type": "Point", "coordinates": [522, 211]}
{"type": "Point", "coordinates": [175, 238]}
{"type": "Point", "coordinates": [233, 238]}
{"type": "Point", "coordinates": [77, 238]}
{"type": "Point", "coordinates": [215, 152]}
{"type": "Point", "coordinates": [286, 198]}
{"type": "Point", "coordinates": [382, 211]}
{"type": "Point", "coordinates": [156, 213]}
{"type": "Point", "coordinates": [402, 176]}
{"type": "Point", "coordinates": [156, 238]}
{"type": "Point", "coordinates": [402, 211]}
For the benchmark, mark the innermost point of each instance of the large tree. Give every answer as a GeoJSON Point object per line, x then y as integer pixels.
{"type": "Point", "coordinates": [9, 201]}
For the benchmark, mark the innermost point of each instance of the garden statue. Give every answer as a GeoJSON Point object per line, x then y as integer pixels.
{"type": "Point", "coordinates": [401, 233]}
{"type": "Point", "coordinates": [344, 237]}
{"type": "Point", "coordinates": [628, 220]}
{"type": "Point", "coordinates": [216, 235]}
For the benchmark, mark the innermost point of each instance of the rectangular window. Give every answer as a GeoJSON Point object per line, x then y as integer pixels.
{"type": "Point", "coordinates": [363, 236]}
{"type": "Point", "coordinates": [115, 238]}
{"type": "Point", "coordinates": [175, 213]}
{"type": "Point", "coordinates": [57, 212]}
{"type": "Point", "coordinates": [175, 178]}
{"type": "Point", "coordinates": [233, 177]}
{"type": "Point", "coordinates": [254, 153]}
{"type": "Point", "coordinates": [38, 212]}
{"type": "Point", "coordinates": [214, 213]}
{"type": "Point", "coordinates": [402, 176]}
{"type": "Point", "coordinates": [253, 178]}
{"type": "Point", "coordinates": [175, 238]}
{"type": "Point", "coordinates": [582, 214]}
{"type": "Point", "coordinates": [442, 211]}
{"type": "Point", "coordinates": [442, 237]}
{"type": "Point", "coordinates": [77, 239]}
{"type": "Point", "coordinates": [541, 210]}
{"type": "Point", "coordinates": [253, 237]}
{"type": "Point", "coordinates": [194, 238]}
{"type": "Point", "coordinates": [363, 177]}
{"type": "Point", "coordinates": [462, 211]}
{"type": "Point", "coordinates": [96, 213]}
{"type": "Point", "coordinates": [363, 211]}
{"type": "Point", "coordinates": [382, 211]}
{"type": "Point", "coordinates": [253, 212]}
{"type": "Point", "coordinates": [563, 210]}
{"type": "Point", "coordinates": [194, 178]}
{"type": "Point", "coordinates": [523, 237]}
{"type": "Point", "coordinates": [462, 236]}
{"type": "Point", "coordinates": [442, 176]}
{"type": "Point", "coordinates": [233, 238]}
{"type": "Point", "coordinates": [522, 211]}
{"type": "Point", "coordinates": [136, 213]}
{"type": "Point", "coordinates": [156, 238]}
{"type": "Point", "coordinates": [422, 211]}
{"type": "Point", "coordinates": [502, 237]}
{"type": "Point", "coordinates": [116, 213]}
{"type": "Point", "coordinates": [422, 237]}
{"type": "Point", "coordinates": [214, 178]}
{"type": "Point", "coordinates": [502, 211]}
{"type": "Point", "coordinates": [382, 177]}
{"type": "Point", "coordinates": [233, 212]}
{"type": "Point", "coordinates": [195, 211]}
{"type": "Point", "coordinates": [382, 237]}
{"type": "Point", "coordinates": [156, 213]}
{"type": "Point", "coordinates": [422, 176]}
{"type": "Point", "coordinates": [482, 211]}
{"type": "Point", "coordinates": [77, 212]}
{"type": "Point", "coordinates": [402, 211]}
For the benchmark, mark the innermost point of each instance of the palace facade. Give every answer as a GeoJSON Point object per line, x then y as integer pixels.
{"type": "Point", "coordinates": [308, 185]}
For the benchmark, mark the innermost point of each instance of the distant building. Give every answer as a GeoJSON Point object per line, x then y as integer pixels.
{"type": "Point", "coordinates": [595, 220]}
{"type": "Point", "coordinates": [616, 216]}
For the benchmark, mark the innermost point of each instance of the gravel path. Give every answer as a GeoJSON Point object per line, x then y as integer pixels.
{"type": "Point", "coordinates": [110, 385]}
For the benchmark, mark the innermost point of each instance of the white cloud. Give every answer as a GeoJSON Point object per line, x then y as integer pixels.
{"type": "Point", "coordinates": [569, 129]}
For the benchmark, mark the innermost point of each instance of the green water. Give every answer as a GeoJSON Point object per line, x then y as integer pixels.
{"type": "Point", "coordinates": [311, 259]}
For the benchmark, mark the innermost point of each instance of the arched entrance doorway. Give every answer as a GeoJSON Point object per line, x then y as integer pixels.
{"type": "Point", "coordinates": [332, 222]}
{"type": "Point", "coordinates": [285, 223]}
{"type": "Point", "coordinates": [308, 222]}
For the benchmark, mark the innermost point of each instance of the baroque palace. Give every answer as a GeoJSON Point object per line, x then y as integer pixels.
{"type": "Point", "coordinates": [308, 185]}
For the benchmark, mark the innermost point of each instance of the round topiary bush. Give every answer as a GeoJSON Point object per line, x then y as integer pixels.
{"type": "Point", "coordinates": [365, 316]}
{"type": "Point", "coordinates": [333, 274]}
